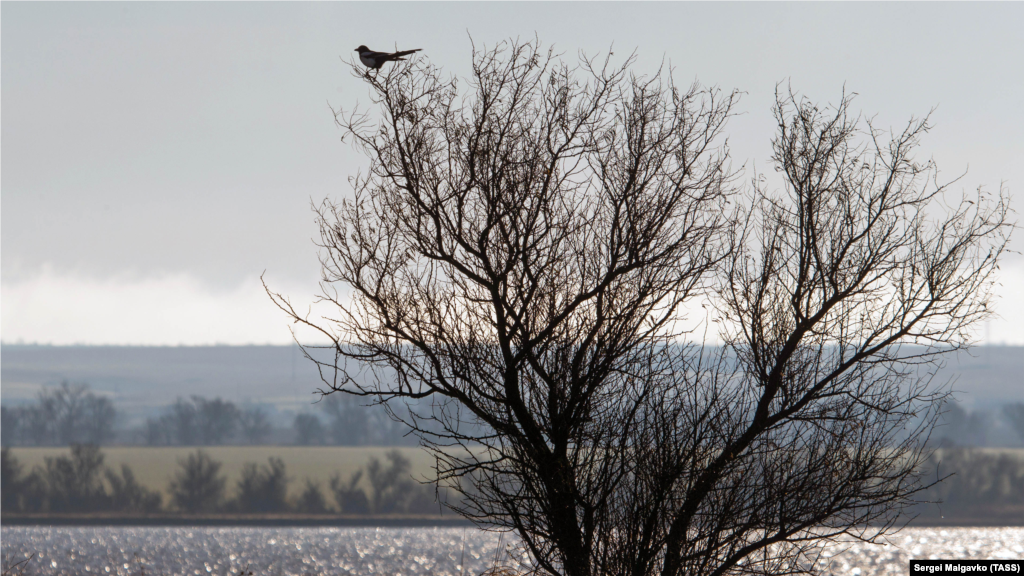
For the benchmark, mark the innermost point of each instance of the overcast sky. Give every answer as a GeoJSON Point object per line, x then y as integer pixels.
{"type": "Point", "coordinates": [157, 158]}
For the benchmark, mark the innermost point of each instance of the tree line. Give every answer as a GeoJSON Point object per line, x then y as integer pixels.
{"type": "Point", "coordinates": [970, 479]}
{"type": "Point", "coordinates": [60, 416]}
{"type": "Point", "coordinates": [80, 482]}
{"type": "Point", "coordinates": [976, 428]}
{"type": "Point", "coordinates": [72, 413]}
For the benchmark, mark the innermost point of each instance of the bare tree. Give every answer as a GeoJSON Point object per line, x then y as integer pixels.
{"type": "Point", "coordinates": [197, 420]}
{"type": "Point", "coordinates": [254, 425]}
{"type": "Point", "coordinates": [63, 408]}
{"type": "Point", "coordinates": [1015, 414]}
{"type": "Point", "coordinates": [39, 424]}
{"type": "Point", "coordinates": [182, 420]}
{"type": "Point", "coordinates": [847, 288]}
{"type": "Point", "coordinates": [217, 419]}
{"type": "Point", "coordinates": [349, 423]}
{"type": "Point", "coordinates": [10, 481]}
{"type": "Point", "coordinates": [958, 427]}
{"type": "Point", "coordinates": [308, 430]}
{"type": "Point", "coordinates": [12, 422]}
{"type": "Point", "coordinates": [64, 415]}
{"type": "Point", "coordinates": [518, 261]}
{"type": "Point", "coordinates": [99, 416]}
{"type": "Point", "coordinates": [159, 431]}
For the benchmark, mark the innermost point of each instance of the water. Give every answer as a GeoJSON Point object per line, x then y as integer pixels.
{"type": "Point", "coordinates": [398, 551]}
{"type": "Point", "coordinates": [265, 551]}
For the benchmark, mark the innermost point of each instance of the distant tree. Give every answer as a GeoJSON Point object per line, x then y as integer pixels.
{"type": "Point", "coordinates": [61, 408]}
{"type": "Point", "coordinates": [1015, 414]}
{"type": "Point", "coordinates": [37, 425]}
{"type": "Point", "coordinates": [217, 419]}
{"type": "Point", "coordinates": [197, 486]}
{"type": "Point", "coordinates": [34, 491]}
{"type": "Point", "coordinates": [98, 419]}
{"type": "Point", "coordinates": [159, 431]}
{"type": "Point", "coordinates": [312, 500]}
{"type": "Point", "coordinates": [971, 479]}
{"type": "Point", "coordinates": [254, 425]}
{"type": "Point", "coordinates": [75, 483]}
{"type": "Point", "coordinates": [200, 421]}
{"type": "Point", "coordinates": [958, 427]}
{"type": "Point", "coordinates": [392, 484]}
{"type": "Point", "coordinates": [349, 422]}
{"type": "Point", "coordinates": [386, 431]}
{"type": "Point", "coordinates": [350, 498]}
{"type": "Point", "coordinates": [10, 481]}
{"type": "Point", "coordinates": [127, 495]}
{"type": "Point", "coordinates": [66, 408]}
{"type": "Point", "coordinates": [183, 421]}
{"type": "Point", "coordinates": [308, 430]}
{"type": "Point", "coordinates": [9, 421]}
{"type": "Point", "coordinates": [64, 415]}
{"type": "Point", "coordinates": [263, 488]}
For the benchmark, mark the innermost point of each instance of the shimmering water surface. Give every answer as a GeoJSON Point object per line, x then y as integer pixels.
{"type": "Point", "coordinates": [398, 551]}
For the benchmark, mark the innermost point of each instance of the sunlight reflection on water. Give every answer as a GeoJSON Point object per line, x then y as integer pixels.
{"type": "Point", "coordinates": [893, 556]}
{"type": "Point", "coordinates": [399, 551]}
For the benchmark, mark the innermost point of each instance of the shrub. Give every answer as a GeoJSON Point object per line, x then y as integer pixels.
{"type": "Point", "coordinates": [10, 481]}
{"type": "Point", "coordinates": [263, 488]}
{"type": "Point", "coordinates": [388, 482]}
{"type": "Point", "coordinates": [74, 484]}
{"type": "Point", "coordinates": [350, 499]}
{"type": "Point", "coordinates": [197, 487]}
{"type": "Point", "coordinates": [312, 500]}
{"type": "Point", "coordinates": [33, 496]}
{"type": "Point", "coordinates": [127, 495]}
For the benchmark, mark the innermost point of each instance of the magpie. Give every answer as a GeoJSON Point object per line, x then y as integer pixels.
{"type": "Point", "coordinates": [377, 59]}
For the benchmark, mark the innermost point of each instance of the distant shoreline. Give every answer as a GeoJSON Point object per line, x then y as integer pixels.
{"type": "Point", "coordinates": [966, 522]}
{"type": "Point", "coordinates": [242, 520]}
{"type": "Point", "coordinates": [349, 521]}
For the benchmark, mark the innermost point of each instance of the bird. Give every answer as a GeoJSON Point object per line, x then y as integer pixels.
{"type": "Point", "coordinates": [377, 59]}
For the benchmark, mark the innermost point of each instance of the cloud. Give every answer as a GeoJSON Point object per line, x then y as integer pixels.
{"type": "Point", "coordinates": [1007, 327]}
{"type": "Point", "coordinates": [179, 309]}
{"type": "Point", "coordinates": [176, 309]}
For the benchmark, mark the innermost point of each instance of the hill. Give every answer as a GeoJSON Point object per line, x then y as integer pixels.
{"type": "Point", "coordinates": [148, 376]}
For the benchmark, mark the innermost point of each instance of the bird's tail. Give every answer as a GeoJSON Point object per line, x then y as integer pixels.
{"type": "Point", "coordinates": [398, 55]}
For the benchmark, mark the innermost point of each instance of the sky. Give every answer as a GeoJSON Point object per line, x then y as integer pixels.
{"type": "Point", "coordinates": [157, 158]}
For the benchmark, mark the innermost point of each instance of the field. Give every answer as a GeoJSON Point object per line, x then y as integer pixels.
{"type": "Point", "coordinates": [154, 466]}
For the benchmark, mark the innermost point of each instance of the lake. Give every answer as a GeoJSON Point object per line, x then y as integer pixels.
{"type": "Point", "coordinates": [398, 551]}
